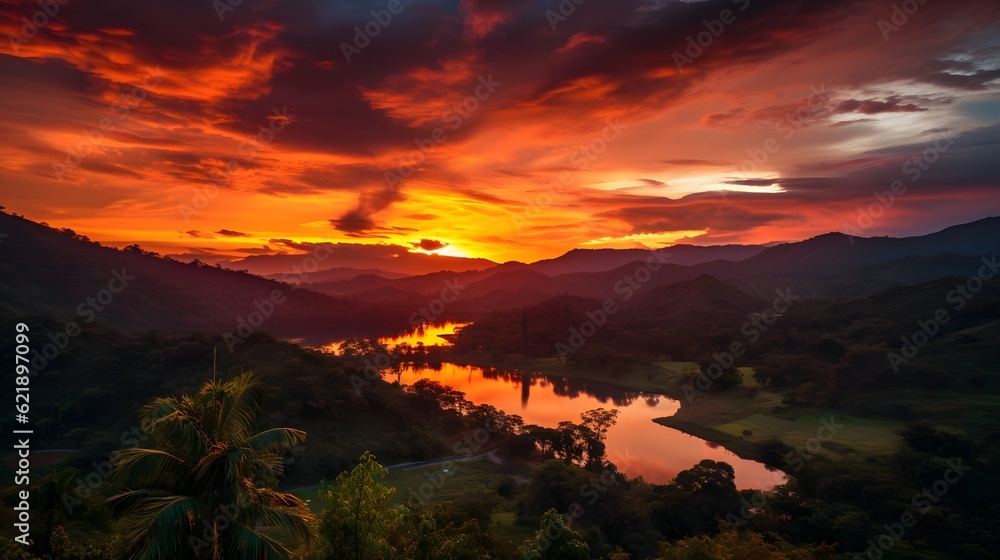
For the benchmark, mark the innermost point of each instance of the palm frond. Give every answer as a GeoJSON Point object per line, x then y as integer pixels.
{"type": "Point", "coordinates": [297, 521]}
{"type": "Point", "coordinates": [276, 440]}
{"type": "Point", "coordinates": [122, 503]}
{"type": "Point", "coordinates": [180, 429]}
{"type": "Point", "coordinates": [240, 541]}
{"type": "Point", "coordinates": [240, 407]}
{"type": "Point", "coordinates": [159, 528]}
{"type": "Point", "coordinates": [205, 459]}
{"type": "Point", "coordinates": [151, 468]}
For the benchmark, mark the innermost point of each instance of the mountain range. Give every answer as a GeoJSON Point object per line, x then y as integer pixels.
{"type": "Point", "coordinates": [52, 273]}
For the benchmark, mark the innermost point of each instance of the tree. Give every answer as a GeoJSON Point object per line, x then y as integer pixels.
{"type": "Point", "coordinates": [740, 544]}
{"type": "Point", "coordinates": [582, 444]}
{"type": "Point", "coordinates": [708, 492]}
{"type": "Point", "coordinates": [362, 348]}
{"type": "Point", "coordinates": [555, 541]}
{"type": "Point", "coordinates": [63, 548]}
{"type": "Point", "coordinates": [599, 420]}
{"type": "Point", "coordinates": [208, 485]}
{"type": "Point", "coordinates": [596, 424]}
{"type": "Point", "coordinates": [359, 523]}
{"type": "Point", "coordinates": [55, 499]}
{"type": "Point", "coordinates": [357, 520]}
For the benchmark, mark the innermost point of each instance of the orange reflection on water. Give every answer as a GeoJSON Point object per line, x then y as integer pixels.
{"type": "Point", "coordinates": [636, 444]}
{"type": "Point", "coordinates": [430, 335]}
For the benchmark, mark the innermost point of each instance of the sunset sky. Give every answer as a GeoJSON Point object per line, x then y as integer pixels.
{"type": "Point", "coordinates": [841, 101]}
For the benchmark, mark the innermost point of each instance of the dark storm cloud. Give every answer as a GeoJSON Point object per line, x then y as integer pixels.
{"type": "Point", "coordinates": [428, 244]}
{"type": "Point", "coordinates": [753, 182]}
{"type": "Point", "coordinates": [359, 220]}
{"type": "Point", "coordinates": [231, 233]}
{"type": "Point", "coordinates": [874, 106]}
{"type": "Point", "coordinates": [693, 214]}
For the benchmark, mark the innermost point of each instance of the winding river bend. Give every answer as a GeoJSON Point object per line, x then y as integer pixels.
{"type": "Point", "coordinates": [636, 444]}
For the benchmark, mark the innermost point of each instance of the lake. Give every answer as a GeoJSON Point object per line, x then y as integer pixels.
{"type": "Point", "coordinates": [636, 444]}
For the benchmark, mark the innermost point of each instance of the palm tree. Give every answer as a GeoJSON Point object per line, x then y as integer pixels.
{"type": "Point", "coordinates": [208, 486]}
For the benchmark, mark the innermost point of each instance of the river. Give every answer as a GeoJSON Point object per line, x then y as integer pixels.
{"type": "Point", "coordinates": [636, 444]}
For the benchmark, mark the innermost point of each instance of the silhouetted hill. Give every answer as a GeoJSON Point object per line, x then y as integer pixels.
{"type": "Point", "coordinates": [50, 273]}
{"type": "Point", "coordinates": [703, 293]}
{"type": "Point", "coordinates": [876, 277]}
{"type": "Point", "coordinates": [598, 260]}
{"type": "Point", "coordinates": [390, 258]}
{"type": "Point", "coordinates": [510, 278]}
{"type": "Point", "coordinates": [341, 273]}
{"type": "Point", "coordinates": [604, 284]}
{"type": "Point", "coordinates": [835, 252]}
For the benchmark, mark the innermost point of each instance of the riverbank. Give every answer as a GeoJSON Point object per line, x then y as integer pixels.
{"type": "Point", "coordinates": [701, 418]}
{"type": "Point", "coordinates": [647, 378]}
{"type": "Point", "coordinates": [747, 422]}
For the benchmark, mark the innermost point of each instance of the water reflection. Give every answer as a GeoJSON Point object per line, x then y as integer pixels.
{"type": "Point", "coordinates": [564, 387]}
{"type": "Point", "coordinates": [637, 444]}
{"type": "Point", "coordinates": [421, 335]}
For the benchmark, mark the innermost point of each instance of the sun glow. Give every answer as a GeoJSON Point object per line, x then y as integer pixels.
{"type": "Point", "coordinates": [446, 251]}
{"type": "Point", "coordinates": [642, 239]}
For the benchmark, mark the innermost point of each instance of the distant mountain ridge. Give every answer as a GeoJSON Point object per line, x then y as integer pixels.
{"type": "Point", "coordinates": [830, 260]}
{"type": "Point", "coordinates": [47, 272]}
{"type": "Point", "coordinates": [835, 252]}
{"type": "Point", "coordinates": [597, 260]}
{"type": "Point", "coordinates": [391, 259]}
